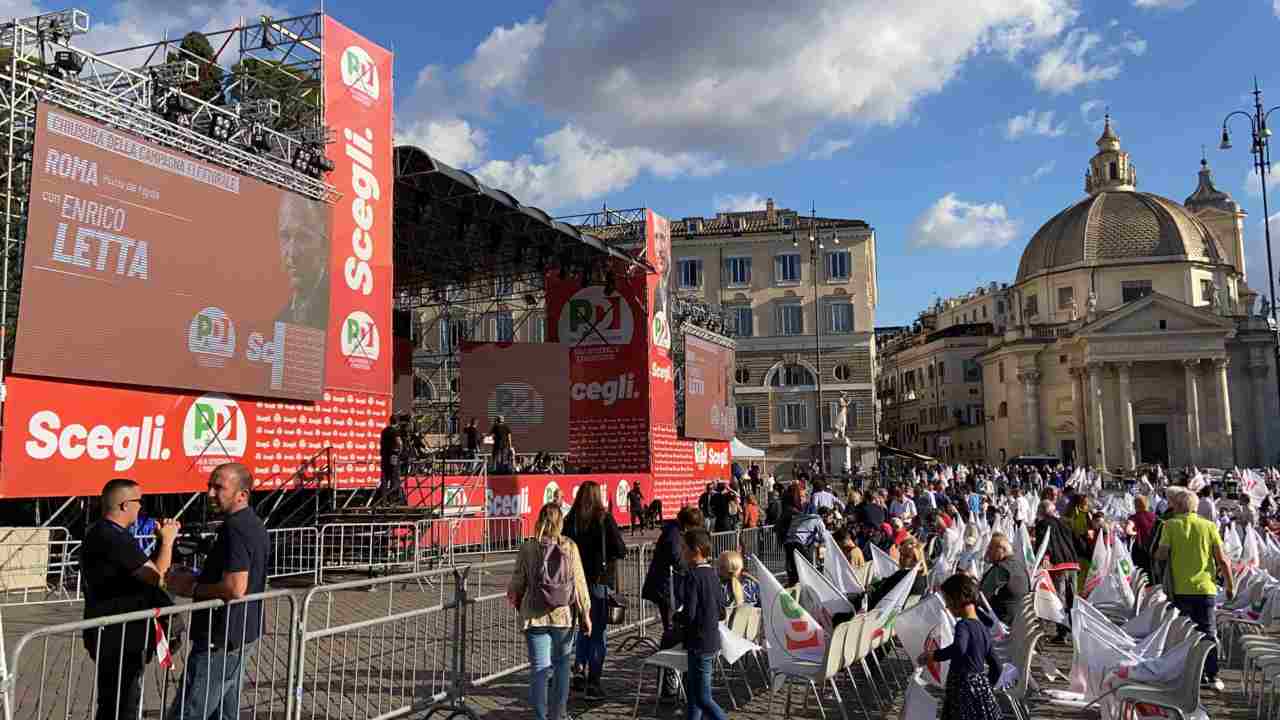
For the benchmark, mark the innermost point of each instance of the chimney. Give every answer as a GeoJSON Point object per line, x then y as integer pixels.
{"type": "Point", "coordinates": [770, 214]}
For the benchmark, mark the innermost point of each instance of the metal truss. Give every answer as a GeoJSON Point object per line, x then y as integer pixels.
{"type": "Point", "coordinates": [621, 228]}
{"type": "Point", "coordinates": [38, 63]}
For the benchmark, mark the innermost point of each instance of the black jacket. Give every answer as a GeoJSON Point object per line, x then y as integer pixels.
{"type": "Point", "coordinates": [668, 557]}
{"type": "Point", "coordinates": [597, 545]}
{"type": "Point", "coordinates": [703, 609]}
{"type": "Point", "coordinates": [1064, 545]}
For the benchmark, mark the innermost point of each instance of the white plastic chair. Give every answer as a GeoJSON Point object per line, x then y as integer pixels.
{"type": "Point", "coordinates": [818, 672]}
{"type": "Point", "coordinates": [1183, 698]}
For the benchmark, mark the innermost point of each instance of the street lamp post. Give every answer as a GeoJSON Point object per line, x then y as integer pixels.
{"type": "Point", "coordinates": [815, 250]}
{"type": "Point", "coordinates": [1261, 150]}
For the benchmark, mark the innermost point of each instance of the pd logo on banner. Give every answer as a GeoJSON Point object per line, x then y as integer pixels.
{"type": "Point", "coordinates": [592, 318]}
{"type": "Point", "coordinates": [360, 74]}
{"type": "Point", "coordinates": [360, 340]}
{"type": "Point", "coordinates": [214, 431]}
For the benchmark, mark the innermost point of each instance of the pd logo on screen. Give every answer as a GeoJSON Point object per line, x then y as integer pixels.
{"type": "Point", "coordinates": [360, 340]}
{"type": "Point", "coordinates": [592, 318]}
{"type": "Point", "coordinates": [620, 495]}
{"type": "Point", "coordinates": [211, 337]}
{"type": "Point", "coordinates": [214, 428]}
{"type": "Point", "coordinates": [360, 74]}
{"type": "Point", "coordinates": [518, 403]}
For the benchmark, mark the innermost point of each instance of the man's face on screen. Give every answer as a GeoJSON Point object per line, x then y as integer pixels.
{"type": "Point", "coordinates": [303, 233]}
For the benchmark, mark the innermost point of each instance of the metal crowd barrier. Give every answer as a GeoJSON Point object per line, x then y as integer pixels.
{"type": "Point", "coordinates": [131, 673]}
{"type": "Point", "coordinates": [294, 552]}
{"type": "Point", "coordinates": [38, 565]}
{"type": "Point", "coordinates": [443, 540]}
{"type": "Point", "coordinates": [367, 546]}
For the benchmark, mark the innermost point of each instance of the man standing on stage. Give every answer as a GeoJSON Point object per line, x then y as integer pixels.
{"type": "Point", "coordinates": [389, 453]}
{"type": "Point", "coordinates": [472, 436]}
{"type": "Point", "coordinates": [503, 451]}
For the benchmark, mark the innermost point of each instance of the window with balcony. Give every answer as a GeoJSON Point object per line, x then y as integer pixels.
{"type": "Point", "coordinates": [743, 321]}
{"type": "Point", "coordinates": [746, 417]}
{"type": "Point", "coordinates": [1131, 290]}
{"type": "Point", "coordinates": [737, 272]}
{"type": "Point", "coordinates": [838, 265]}
{"type": "Point", "coordinates": [689, 274]}
{"type": "Point", "coordinates": [786, 268]}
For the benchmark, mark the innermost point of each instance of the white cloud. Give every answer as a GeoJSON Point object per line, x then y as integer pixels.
{"type": "Point", "coordinates": [739, 203]}
{"type": "Point", "coordinates": [830, 148]}
{"type": "Point", "coordinates": [1165, 4]}
{"type": "Point", "coordinates": [1134, 44]}
{"type": "Point", "coordinates": [1067, 66]}
{"type": "Point", "coordinates": [135, 22]}
{"type": "Point", "coordinates": [574, 166]}
{"type": "Point", "coordinates": [1042, 171]}
{"type": "Point", "coordinates": [954, 224]}
{"type": "Point", "coordinates": [746, 90]}
{"type": "Point", "coordinates": [451, 141]}
{"type": "Point", "coordinates": [1089, 113]}
{"type": "Point", "coordinates": [1033, 123]}
{"type": "Point", "coordinates": [1275, 8]}
{"type": "Point", "coordinates": [1253, 185]}
{"type": "Point", "coordinates": [502, 59]}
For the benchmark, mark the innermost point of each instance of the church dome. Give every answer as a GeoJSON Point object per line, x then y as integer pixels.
{"type": "Point", "coordinates": [1114, 225]}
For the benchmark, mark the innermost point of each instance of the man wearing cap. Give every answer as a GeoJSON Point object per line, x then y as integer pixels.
{"type": "Point", "coordinates": [802, 537]}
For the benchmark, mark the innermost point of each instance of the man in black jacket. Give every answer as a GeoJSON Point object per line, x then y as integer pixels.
{"type": "Point", "coordinates": [1064, 552]}
{"type": "Point", "coordinates": [668, 559]}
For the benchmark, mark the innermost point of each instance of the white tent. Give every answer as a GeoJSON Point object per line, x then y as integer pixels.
{"type": "Point", "coordinates": [739, 449]}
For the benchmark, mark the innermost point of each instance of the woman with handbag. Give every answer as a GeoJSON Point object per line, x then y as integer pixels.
{"type": "Point", "coordinates": [549, 587]}
{"type": "Point", "coordinates": [600, 543]}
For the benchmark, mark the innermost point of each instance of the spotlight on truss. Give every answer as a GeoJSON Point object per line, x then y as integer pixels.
{"type": "Point", "coordinates": [56, 26]}
{"type": "Point", "coordinates": [220, 127]}
{"type": "Point", "coordinates": [68, 63]}
{"type": "Point", "coordinates": [301, 160]}
{"type": "Point", "coordinates": [177, 72]}
{"type": "Point", "coordinates": [259, 110]}
{"type": "Point", "coordinates": [258, 141]}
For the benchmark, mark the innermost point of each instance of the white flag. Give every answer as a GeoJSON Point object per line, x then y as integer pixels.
{"type": "Point", "coordinates": [890, 605]}
{"type": "Point", "coordinates": [793, 636]}
{"type": "Point", "coordinates": [927, 626]}
{"type": "Point", "coordinates": [818, 595]}
{"type": "Point", "coordinates": [1047, 603]}
{"type": "Point", "coordinates": [1100, 566]}
{"type": "Point", "coordinates": [881, 564]}
{"type": "Point", "coordinates": [839, 570]}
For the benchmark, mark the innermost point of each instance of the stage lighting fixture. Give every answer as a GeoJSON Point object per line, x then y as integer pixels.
{"type": "Point", "coordinates": [177, 72]}
{"type": "Point", "coordinates": [315, 134]}
{"type": "Point", "coordinates": [320, 165]}
{"type": "Point", "coordinates": [259, 110]}
{"type": "Point", "coordinates": [177, 109]}
{"type": "Point", "coordinates": [258, 140]}
{"type": "Point", "coordinates": [301, 158]}
{"type": "Point", "coordinates": [220, 127]}
{"type": "Point", "coordinates": [68, 63]}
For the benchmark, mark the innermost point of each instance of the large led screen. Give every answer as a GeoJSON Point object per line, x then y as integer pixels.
{"type": "Point", "coordinates": [528, 385]}
{"type": "Point", "coordinates": [145, 266]}
{"type": "Point", "coordinates": [708, 390]}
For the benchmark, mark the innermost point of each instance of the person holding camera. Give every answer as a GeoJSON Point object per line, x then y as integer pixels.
{"type": "Point", "coordinates": [120, 578]}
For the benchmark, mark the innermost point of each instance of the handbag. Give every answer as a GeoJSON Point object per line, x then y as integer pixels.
{"type": "Point", "coordinates": [615, 611]}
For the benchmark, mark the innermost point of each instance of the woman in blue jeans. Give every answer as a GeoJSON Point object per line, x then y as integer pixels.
{"type": "Point", "coordinates": [600, 541]}
{"type": "Point", "coordinates": [549, 570]}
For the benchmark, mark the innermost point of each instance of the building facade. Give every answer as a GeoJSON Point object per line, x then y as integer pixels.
{"type": "Point", "coordinates": [1132, 335]}
{"type": "Point", "coordinates": [761, 268]}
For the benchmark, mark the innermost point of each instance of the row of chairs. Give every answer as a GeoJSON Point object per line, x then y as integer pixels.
{"type": "Point", "coordinates": [1258, 640]}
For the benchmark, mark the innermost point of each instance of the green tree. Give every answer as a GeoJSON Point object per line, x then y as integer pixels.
{"type": "Point", "coordinates": [196, 48]}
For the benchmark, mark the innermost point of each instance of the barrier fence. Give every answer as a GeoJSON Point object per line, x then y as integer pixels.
{"type": "Point", "coordinates": [38, 565]}
{"type": "Point", "coordinates": [369, 648]}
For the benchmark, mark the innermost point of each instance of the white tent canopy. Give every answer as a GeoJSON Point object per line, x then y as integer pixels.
{"type": "Point", "coordinates": [740, 449]}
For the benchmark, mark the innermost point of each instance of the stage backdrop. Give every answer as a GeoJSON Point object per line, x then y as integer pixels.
{"type": "Point", "coordinates": [68, 438]}
{"type": "Point", "coordinates": [620, 343]}
{"type": "Point", "coordinates": [527, 384]}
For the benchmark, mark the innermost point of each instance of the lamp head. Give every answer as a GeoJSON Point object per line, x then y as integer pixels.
{"type": "Point", "coordinates": [1226, 139]}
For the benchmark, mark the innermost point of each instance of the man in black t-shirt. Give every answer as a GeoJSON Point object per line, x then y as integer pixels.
{"type": "Point", "coordinates": [222, 639]}
{"type": "Point", "coordinates": [389, 453]}
{"type": "Point", "coordinates": [503, 452]}
{"type": "Point", "coordinates": [471, 433]}
{"type": "Point", "coordinates": [119, 578]}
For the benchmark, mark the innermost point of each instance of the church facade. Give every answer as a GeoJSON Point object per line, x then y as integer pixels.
{"type": "Point", "coordinates": [1133, 336]}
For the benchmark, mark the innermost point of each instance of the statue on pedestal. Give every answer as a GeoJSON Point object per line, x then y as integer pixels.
{"type": "Point", "coordinates": [842, 416]}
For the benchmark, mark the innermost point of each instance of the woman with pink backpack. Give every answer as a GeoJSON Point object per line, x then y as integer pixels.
{"type": "Point", "coordinates": [549, 587]}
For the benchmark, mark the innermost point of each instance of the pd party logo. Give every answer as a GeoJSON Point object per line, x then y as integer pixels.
{"type": "Point", "coordinates": [359, 337]}
{"type": "Point", "coordinates": [214, 429]}
{"type": "Point", "coordinates": [592, 318]}
{"type": "Point", "coordinates": [620, 495]}
{"type": "Point", "coordinates": [518, 403]}
{"type": "Point", "coordinates": [211, 337]}
{"type": "Point", "coordinates": [360, 74]}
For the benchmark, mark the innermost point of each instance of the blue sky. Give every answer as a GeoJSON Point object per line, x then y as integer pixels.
{"type": "Point", "coordinates": [954, 128]}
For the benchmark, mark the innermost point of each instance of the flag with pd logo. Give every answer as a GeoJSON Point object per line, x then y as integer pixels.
{"type": "Point", "coordinates": [793, 635]}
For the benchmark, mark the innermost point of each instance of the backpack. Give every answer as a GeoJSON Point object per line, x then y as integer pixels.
{"type": "Point", "coordinates": [552, 580]}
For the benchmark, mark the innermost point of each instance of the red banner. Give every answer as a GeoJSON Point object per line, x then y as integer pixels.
{"type": "Point", "coordinates": [358, 100]}
{"type": "Point", "coordinates": [524, 495]}
{"type": "Point", "coordinates": [65, 438]}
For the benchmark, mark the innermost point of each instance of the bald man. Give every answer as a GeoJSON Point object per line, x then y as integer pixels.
{"type": "Point", "coordinates": [119, 578]}
{"type": "Point", "coordinates": [304, 252]}
{"type": "Point", "coordinates": [222, 639]}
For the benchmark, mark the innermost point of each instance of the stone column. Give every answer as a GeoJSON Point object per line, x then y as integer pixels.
{"type": "Point", "coordinates": [1258, 377]}
{"type": "Point", "coordinates": [1031, 393]}
{"type": "Point", "coordinates": [1191, 368]}
{"type": "Point", "coordinates": [1094, 401]}
{"type": "Point", "coordinates": [1126, 417]}
{"type": "Point", "coordinates": [1080, 409]}
{"type": "Point", "coordinates": [1227, 451]}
